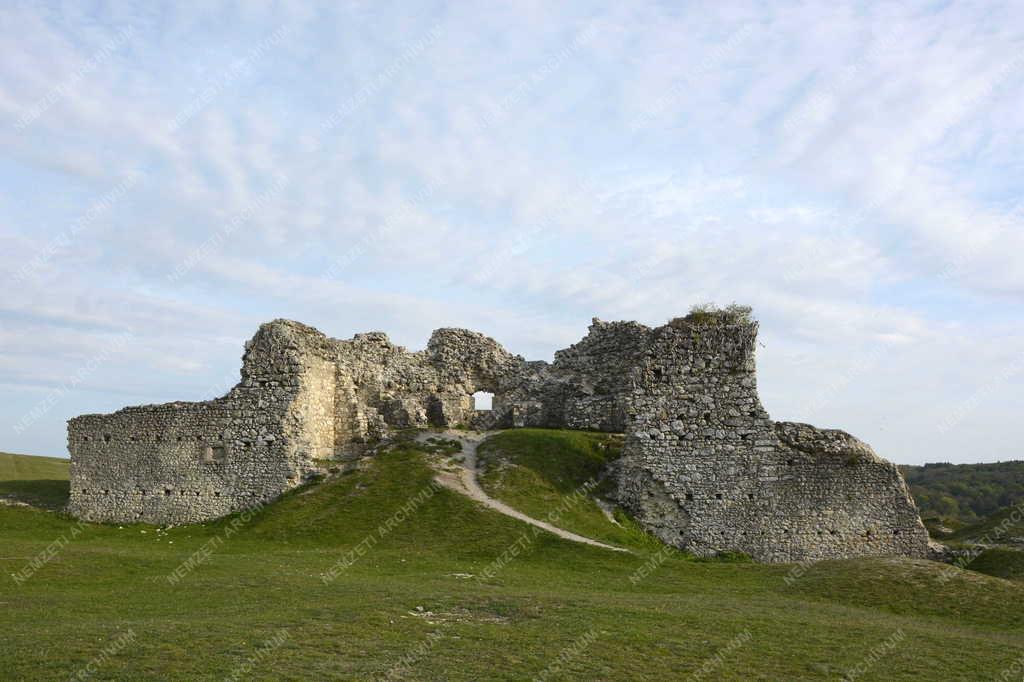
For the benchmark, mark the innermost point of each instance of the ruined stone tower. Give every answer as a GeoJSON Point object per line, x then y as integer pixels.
{"type": "Point", "coordinates": [703, 466]}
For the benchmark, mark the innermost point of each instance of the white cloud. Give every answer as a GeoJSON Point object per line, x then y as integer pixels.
{"type": "Point", "coordinates": [850, 172]}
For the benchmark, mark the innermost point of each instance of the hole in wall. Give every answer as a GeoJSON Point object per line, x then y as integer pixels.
{"type": "Point", "coordinates": [167, 491]}
{"type": "Point", "coordinates": [689, 497]}
{"type": "Point", "coordinates": [718, 496]}
{"type": "Point", "coordinates": [750, 496]}
{"type": "Point", "coordinates": [790, 462]}
{"type": "Point", "coordinates": [483, 400]}
{"type": "Point", "coordinates": [106, 437]}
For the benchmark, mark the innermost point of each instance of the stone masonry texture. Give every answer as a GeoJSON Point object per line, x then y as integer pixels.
{"type": "Point", "coordinates": [703, 466]}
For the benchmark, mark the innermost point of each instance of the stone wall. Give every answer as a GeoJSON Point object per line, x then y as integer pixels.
{"type": "Point", "coordinates": [703, 467]}
{"type": "Point", "coordinates": [184, 462]}
{"type": "Point", "coordinates": [303, 399]}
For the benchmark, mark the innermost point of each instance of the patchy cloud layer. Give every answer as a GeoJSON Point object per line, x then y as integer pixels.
{"type": "Point", "coordinates": [177, 176]}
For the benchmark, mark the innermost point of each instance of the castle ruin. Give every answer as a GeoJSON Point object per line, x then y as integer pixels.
{"type": "Point", "coordinates": [703, 466]}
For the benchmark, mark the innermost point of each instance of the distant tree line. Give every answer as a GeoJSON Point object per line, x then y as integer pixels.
{"type": "Point", "coordinates": [965, 492]}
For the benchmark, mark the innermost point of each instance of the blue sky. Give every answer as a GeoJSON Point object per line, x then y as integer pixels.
{"type": "Point", "coordinates": [177, 174]}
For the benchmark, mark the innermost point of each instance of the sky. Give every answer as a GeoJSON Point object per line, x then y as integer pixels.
{"type": "Point", "coordinates": [176, 174]}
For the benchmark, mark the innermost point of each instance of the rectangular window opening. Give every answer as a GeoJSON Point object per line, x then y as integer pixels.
{"type": "Point", "coordinates": [483, 400]}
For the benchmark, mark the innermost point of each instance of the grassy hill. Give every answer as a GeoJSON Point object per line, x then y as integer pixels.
{"type": "Point", "coordinates": [40, 481]}
{"type": "Point", "coordinates": [540, 472]}
{"type": "Point", "coordinates": [378, 574]}
{"type": "Point", "coordinates": [1005, 526]}
{"type": "Point", "coordinates": [1002, 562]}
{"type": "Point", "coordinates": [1001, 535]}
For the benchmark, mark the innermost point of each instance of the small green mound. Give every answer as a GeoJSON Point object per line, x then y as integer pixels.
{"type": "Point", "coordinates": [1001, 562]}
{"type": "Point", "coordinates": [908, 587]}
{"type": "Point", "coordinates": [559, 476]}
{"type": "Point", "coordinates": [565, 459]}
{"type": "Point", "coordinates": [395, 492]}
{"type": "Point", "coordinates": [1004, 526]}
{"type": "Point", "coordinates": [1001, 534]}
{"type": "Point", "coordinates": [38, 481]}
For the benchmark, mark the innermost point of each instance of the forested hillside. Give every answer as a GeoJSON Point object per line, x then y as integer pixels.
{"type": "Point", "coordinates": [965, 492]}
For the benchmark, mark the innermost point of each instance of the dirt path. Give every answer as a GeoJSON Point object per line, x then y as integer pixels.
{"type": "Point", "coordinates": [463, 480]}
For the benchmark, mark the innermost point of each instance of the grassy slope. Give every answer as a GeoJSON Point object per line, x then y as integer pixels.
{"type": "Point", "coordinates": [41, 481]}
{"type": "Point", "coordinates": [541, 472]}
{"type": "Point", "coordinates": [266, 576]}
{"type": "Point", "coordinates": [1005, 528]}
{"type": "Point", "coordinates": [1002, 562]}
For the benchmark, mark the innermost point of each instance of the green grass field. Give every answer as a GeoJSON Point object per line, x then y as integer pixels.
{"type": "Point", "coordinates": [40, 481]}
{"type": "Point", "coordinates": [379, 575]}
